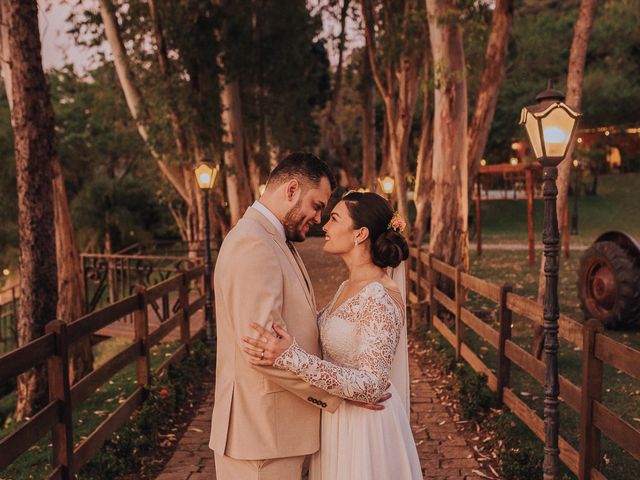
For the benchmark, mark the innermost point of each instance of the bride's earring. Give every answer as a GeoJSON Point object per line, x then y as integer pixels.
{"type": "Point", "coordinates": [355, 242]}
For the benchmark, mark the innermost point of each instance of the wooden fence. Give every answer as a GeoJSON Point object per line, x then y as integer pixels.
{"type": "Point", "coordinates": [8, 318]}
{"type": "Point", "coordinates": [53, 348]}
{"type": "Point", "coordinates": [597, 349]}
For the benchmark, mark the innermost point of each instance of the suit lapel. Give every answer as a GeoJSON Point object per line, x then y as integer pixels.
{"type": "Point", "coordinates": [306, 276]}
{"type": "Point", "coordinates": [298, 268]}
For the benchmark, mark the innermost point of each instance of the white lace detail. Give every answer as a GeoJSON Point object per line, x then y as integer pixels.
{"type": "Point", "coordinates": [359, 341]}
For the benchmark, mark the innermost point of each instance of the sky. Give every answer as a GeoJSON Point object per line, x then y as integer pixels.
{"type": "Point", "coordinates": [58, 46]}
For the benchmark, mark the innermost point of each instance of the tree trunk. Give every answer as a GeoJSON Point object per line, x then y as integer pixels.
{"type": "Point", "coordinates": [490, 81]}
{"type": "Point", "coordinates": [238, 192]}
{"type": "Point", "coordinates": [399, 100]}
{"type": "Point", "coordinates": [575, 76]}
{"type": "Point", "coordinates": [368, 130]}
{"type": "Point", "coordinates": [32, 118]}
{"type": "Point", "coordinates": [333, 130]}
{"type": "Point", "coordinates": [424, 179]}
{"type": "Point", "coordinates": [4, 50]}
{"type": "Point", "coordinates": [71, 288]}
{"type": "Point", "coordinates": [449, 210]}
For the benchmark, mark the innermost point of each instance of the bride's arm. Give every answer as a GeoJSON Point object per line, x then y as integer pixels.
{"type": "Point", "coordinates": [379, 328]}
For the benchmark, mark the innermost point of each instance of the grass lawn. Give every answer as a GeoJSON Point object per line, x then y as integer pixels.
{"type": "Point", "coordinates": [615, 207]}
{"type": "Point", "coordinates": [35, 463]}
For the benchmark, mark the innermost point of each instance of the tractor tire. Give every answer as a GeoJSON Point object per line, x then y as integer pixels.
{"type": "Point", "coordinates": [609, 285]}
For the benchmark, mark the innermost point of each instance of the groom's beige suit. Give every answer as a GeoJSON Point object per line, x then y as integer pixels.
{"type": "Point", "coordinates": [263, 417]}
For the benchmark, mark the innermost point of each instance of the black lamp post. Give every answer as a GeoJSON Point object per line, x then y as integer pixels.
{"type": "Point", "coordinates": [206, 175]}
{"type": "Point", "coordinates": [551, 127]}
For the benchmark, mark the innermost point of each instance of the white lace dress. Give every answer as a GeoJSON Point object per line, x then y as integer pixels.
{"type": "Point", "coordinates": [359, 341]}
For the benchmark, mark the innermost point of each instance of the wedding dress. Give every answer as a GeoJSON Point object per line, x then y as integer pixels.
{"type": "Point", "coordinates": [364, 348]}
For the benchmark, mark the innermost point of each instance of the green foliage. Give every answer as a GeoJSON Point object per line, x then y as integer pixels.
{"type": "Point", "coordinates": [520, 453]}
{"type": "Point", "coordinates": [539, 50]}
{"type": "Point", "coordinates": [475, 396]}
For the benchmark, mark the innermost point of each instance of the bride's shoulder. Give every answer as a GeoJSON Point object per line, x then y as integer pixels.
{"type": "Point", "coordinates": [383, 288]}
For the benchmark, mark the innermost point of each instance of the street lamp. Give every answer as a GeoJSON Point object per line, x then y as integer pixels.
{"type": "Point", "coordinates": [551, 127]}
{"type": "Point", "coordinates": [387, 184]}
{"type": "Point", "coordinates": [206, 175]}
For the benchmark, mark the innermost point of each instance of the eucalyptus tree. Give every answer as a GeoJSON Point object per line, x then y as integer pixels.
{"type": "Point", "coordinates": [33, 131]}
{"type": "Point", "coordinates": [449, 211]}
{"type": "Point", "coordinates": [396, 35]}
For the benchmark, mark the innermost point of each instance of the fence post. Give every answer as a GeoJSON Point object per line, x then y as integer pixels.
{"type": "Point", "coordinates": [589, 453]}
{"type": "Point", "coordinates": [432, 281]}
{"type": "Point", "coordinates": [184, 306]}
{"type": "Point", "coordinates": [504, 364]}
{"type": "Point", "coordinates": [458, 322]}
{"type": "Point", "coordinates": [59, 391]}
{"type": "Point", "coordinates": [141, 329]}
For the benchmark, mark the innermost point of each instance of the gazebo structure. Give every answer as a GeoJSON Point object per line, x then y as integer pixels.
{"type": "Point", "coordinates": [516, 172]}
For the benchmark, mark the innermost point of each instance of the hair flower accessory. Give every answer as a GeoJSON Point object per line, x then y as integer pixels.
{"type": "Point", "coordinates": [397, 223]}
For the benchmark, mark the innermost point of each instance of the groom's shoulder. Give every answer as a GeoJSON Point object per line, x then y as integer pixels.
{"type": "Point", "coordinates": [247, 233]}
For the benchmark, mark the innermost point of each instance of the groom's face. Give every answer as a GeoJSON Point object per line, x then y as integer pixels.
{"type": "Point", "coordinates": [306, 211]}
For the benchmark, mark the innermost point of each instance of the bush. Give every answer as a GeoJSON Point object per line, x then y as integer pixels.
{"type": "Point", "coordinates": [475, 396]}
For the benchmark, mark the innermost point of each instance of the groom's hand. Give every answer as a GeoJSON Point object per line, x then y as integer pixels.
{"type": "Point", "coordinates": [373, 406]}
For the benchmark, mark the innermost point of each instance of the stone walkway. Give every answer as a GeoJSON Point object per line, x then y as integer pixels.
{"type": "Point", "coordinates": [443, 450]}
{"type": "Point", "coordinates": [444, 453]}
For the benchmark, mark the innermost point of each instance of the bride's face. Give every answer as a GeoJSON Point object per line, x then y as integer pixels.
{"type": "Point", "coordinates": [339, 233]}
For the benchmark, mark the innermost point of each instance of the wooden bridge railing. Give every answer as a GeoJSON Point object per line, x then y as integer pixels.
{"type": "Point", "coordinates": [53, 348]}
{"type": "Point", "coordinates": [596, 347]}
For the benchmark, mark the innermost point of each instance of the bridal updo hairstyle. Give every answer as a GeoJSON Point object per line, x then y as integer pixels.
{"type": "Point", "coordinates": [370, 210]}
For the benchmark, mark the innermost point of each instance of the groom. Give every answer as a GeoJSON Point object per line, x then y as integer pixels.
{"type": "Point", "coordinates": [265, 421]}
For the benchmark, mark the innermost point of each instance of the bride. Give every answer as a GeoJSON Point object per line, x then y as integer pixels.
{"type": "Point", "coordinates": [364, 346]}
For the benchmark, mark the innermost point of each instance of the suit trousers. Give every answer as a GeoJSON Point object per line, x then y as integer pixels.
{"type": "Point", "coordinates": [288, 468]}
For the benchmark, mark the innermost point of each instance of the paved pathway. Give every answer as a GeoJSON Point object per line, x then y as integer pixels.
{"type": "Point", "coordinates": [444, 453]}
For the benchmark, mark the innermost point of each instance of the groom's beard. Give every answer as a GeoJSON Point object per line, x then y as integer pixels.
{"type": "Point", "coordinates": [293, 223]}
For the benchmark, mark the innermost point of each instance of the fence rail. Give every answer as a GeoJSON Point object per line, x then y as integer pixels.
{"type": "Point", "coordinates": [597, 349]}
{"type": "Point", "coordinates": [53, 347]}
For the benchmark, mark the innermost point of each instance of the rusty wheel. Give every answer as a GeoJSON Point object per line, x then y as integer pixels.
{"type": "Point", "coordinates": [609, 285]}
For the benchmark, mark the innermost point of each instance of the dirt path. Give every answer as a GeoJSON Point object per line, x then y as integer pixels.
{"type": "Point", "coordinates": [443, 450]}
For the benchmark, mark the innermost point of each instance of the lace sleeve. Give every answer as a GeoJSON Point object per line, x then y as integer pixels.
{"type": "Point", "coordinates": [378, 326]}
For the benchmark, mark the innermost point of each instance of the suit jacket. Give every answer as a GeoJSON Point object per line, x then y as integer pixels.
{"type": "Point", "coordinates": [263, 412]}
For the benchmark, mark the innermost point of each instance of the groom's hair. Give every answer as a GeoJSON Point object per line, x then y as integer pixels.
{"type": "Point", "coordinates": [304, 167]}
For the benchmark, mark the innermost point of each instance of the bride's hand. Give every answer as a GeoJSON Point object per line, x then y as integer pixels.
{"type": "Point", "coordinates": [268, 346]}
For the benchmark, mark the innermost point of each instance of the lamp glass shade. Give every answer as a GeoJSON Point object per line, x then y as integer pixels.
{"type": "Point", "coordinates": [551, 126]}
{"type": "Point", "coordinates": [557, 128]}
{"type": "Point", "coordinates": [206, 175]}
{"type": "Point", "coordinates": [533, 131]}
{"type": "Point", "coordinates": [387, 184]}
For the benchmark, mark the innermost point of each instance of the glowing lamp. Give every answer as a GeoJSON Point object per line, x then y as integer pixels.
{"type": "Point", "coordinates": [551, 126]}
{"type": "Point", "coordinates": [387, 184]}
{"type": "Point", "coordinates": [206, 175]}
